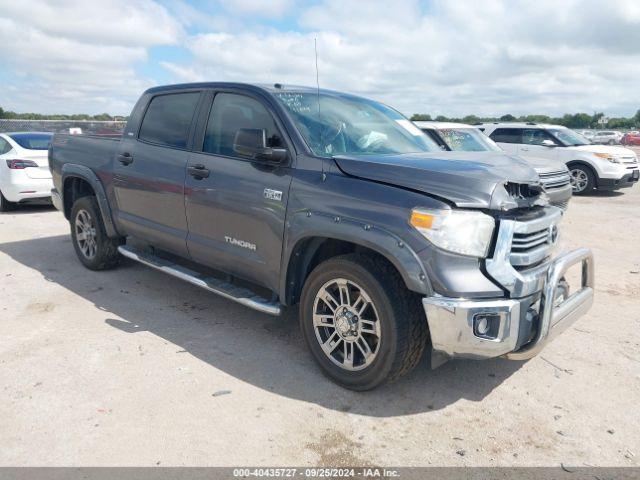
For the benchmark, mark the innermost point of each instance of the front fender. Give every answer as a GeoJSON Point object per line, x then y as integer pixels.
{"type": "Point", "coordinates": [316, 224]}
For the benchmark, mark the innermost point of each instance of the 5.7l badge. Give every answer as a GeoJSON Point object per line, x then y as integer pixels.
{"type": "Point", "coordinates": [272, 194]}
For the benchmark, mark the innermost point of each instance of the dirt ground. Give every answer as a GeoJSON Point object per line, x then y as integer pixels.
{"type": "Point", "coordinates": [132, 367]}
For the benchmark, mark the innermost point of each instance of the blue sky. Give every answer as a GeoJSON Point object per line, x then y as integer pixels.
{"type": "Point", "coordinates": [438, 57]}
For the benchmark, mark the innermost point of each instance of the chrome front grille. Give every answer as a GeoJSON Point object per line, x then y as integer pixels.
{"type": "Point", "coordinates": [553, 180]}
{"type": "Point", "coordinates": [533, 240]}
{"type": "Point", "coordinates": [523, 246]}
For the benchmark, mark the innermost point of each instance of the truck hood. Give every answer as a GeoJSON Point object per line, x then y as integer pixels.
{"type": "Point", "coordinates": [545, 165]}
{"type": "Point", "coordinates": [467, 179]}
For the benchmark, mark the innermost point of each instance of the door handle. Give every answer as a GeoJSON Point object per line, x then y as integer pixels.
{"type": "Point", "coordinates": [125, 158]}
{"type": "Point", "coordinates": [524, 149]}
{"type": "Point", "coordinates": [198, 171]}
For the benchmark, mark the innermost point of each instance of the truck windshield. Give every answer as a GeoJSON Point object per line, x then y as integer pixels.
{"type": "Point", "coordinates": [568, 138]}
{"type": "Point", "coordinates": [467, 140]}
{"type": "Point", "coordinates": [334, 124]}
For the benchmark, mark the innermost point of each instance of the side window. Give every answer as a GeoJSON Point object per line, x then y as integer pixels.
{"type": "Point", "coordinates": [231, 112]}
{"type": "Point", "coordinates": [168, 119]}
{"type": "Point", "coordinates": [5, 147]}
{"type": "Point", "coordinates": [506, 135]}
{"type": "Point", "coordinates": [535, 136]}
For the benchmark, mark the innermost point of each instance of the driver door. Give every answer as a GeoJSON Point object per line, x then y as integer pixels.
{"type": "Point", "coordinates": [236, 206]}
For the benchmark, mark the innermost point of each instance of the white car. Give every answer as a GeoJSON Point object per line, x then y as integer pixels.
{"type": "Point", "coordinates": [554, 175]}
{"type": "Point", "coordinates": [592, 166]}
{"type": "Point", "coordinates": [24, 168]}
{"type": "Point", "coordinates": [608, 137]}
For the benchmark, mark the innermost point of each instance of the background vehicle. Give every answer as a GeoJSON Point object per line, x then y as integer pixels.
{"type": "Point", "coordinates": [631, 139]}
{"type": "Point", "coordinates": [24, 168]}
{"type": "Point", "coordinates": [591, 166]}
{"type": "Point", "coordinates": [606, 137]}
{"type": "Point", "coordinates": [333, 202]}
{"type": "Point", "coordinates": [460, 137]}
{"type": "Point", "coordinates": [588, 134]}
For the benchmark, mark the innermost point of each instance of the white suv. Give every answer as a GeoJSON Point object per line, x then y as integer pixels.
{"type": "Point", "coordinates": [592, 166]}
{"type": "Point", "coordinates": [608, 137]}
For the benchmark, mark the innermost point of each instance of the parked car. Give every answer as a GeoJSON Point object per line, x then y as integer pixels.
{"type": "Point", "coordinates": [337, 204]}
{"type": "Point", "coordinates": [460, 137]}
{"type": "Point", "coordinates": [607, 137]}
{"type": "Point", "coordinates": [591, 166]}
{"type": "Point", "coordinates": [24, 168]}
{"type": "Point", "coordinates": [631, 138]}
{"type": "Point", "coordinates": [588, 134]}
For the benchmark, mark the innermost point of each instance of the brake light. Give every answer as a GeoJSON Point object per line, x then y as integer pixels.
{"type": "Point", "coordinates": [21, 164]}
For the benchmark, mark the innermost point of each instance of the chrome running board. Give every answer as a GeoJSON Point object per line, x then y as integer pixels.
{"type": "Point", "coordinates": [241, 295]}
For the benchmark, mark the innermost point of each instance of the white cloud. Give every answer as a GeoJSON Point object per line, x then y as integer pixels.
{"type": "Point", "coordinates": [114, 22]}
{"type": "Point", "coordinates": [79, 56]}
{"type": "Point", "coordinates": [272, 8]}
{"type": "Point", "coordinates": [447, 57]}
{"type": "Point", "coordinates": [441, 57]}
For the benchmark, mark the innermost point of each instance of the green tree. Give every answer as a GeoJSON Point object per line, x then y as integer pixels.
{"type": "Point", "coordinates": [416, 117]}
{"type": "Point", "coordinates": [508, 118]}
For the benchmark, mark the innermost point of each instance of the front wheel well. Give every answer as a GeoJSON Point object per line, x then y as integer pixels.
{"type": "Point", "coordinates": [582, 163]}
{"type": "Point", "coordinates": [73, 189]}
{"type": "Point", "coordinates": [311, 252]}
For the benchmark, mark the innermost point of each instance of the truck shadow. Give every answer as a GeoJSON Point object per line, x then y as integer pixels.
{"type": "Point", "coordinates": [267, 352]}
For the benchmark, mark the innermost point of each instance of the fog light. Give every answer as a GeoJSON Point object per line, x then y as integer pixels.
{"type": "Point", "coordinates": [482, 327]}
{"type": "Point", "coordinates": [486, 325]}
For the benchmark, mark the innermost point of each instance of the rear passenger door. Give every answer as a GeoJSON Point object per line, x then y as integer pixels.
{"type": "Point", "coordinates": [236, 206]}
{"type": "Point", "coordinates": [509, 139]}
{"type": "Point", "coordinates": [149, 172]}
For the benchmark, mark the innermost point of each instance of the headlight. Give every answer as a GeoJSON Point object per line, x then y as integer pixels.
{"type": "Point", "coordinates": [459, 231]}
{"type": "Point", "coordinates": [608, 156]}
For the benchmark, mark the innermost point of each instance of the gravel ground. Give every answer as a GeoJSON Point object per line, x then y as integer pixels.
{"type": "Point", "coordinates": [132, 367]}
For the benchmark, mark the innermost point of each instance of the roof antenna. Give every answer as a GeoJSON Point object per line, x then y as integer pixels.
{"type": "Point", "coordinates": [315, 47]}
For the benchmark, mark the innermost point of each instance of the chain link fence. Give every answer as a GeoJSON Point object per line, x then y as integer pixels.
{"type": "Point", "coordinates": [64, 126]}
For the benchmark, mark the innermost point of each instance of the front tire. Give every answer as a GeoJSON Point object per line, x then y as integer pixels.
{"type": "Point", "coordinates": [362, 325]}
{"type": "Point", "coordinates": [94, 248]}
{"type": "Point", "coordinates": [583, 180]}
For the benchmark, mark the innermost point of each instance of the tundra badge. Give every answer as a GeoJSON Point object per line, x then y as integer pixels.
{"type": "Point", "coordinates": [272, 194]}
{"type": "Point", "coordinates": [240, 243]}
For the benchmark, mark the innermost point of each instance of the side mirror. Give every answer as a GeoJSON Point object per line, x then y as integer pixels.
{"type": "Point", "coordinates": [252, 143]}
{"type": "Point", "coordinates": [548, 143]}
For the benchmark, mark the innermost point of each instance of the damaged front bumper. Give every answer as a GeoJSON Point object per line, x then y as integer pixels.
{"type": "Point", "coordinates": [517, 327]}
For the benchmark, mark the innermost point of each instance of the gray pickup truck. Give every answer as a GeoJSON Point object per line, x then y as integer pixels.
{"type": "Point", "coordinates": [275, 196]}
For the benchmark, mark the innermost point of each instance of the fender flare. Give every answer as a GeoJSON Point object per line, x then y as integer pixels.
{"type": "Point", "coordinates": [72, 170]}
{"type": "Point", "coordinates": [374, 237]}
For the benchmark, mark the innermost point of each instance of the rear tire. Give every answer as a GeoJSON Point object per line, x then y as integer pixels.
{"type": "Point", "coordinates": [94, 248]}
{"type": "Point", "coordinates": [5, 205]}
{"type": "Point", "coordinates": [373, 330]}
{"type": "Point", "coordinates": [583, 180]}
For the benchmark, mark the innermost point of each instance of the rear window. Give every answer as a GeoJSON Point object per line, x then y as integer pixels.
{"type": "Point", "coordinates": [32, 141]}
{"type": "Point", "coordinates": [507, 135]}
{"type": "Point", "coordinates": [168, 119]}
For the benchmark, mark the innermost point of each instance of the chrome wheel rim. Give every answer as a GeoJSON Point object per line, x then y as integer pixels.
{"type": "Point", "coordinates": [579, 180]}
{"type": "Point", "coordinates": [346, 324]}
{"type": "Point", "coordinates": [86, 234]}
